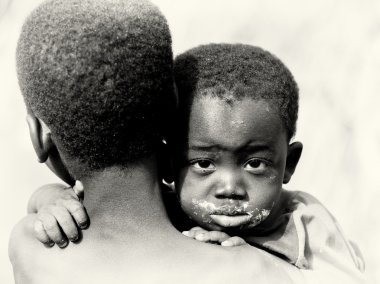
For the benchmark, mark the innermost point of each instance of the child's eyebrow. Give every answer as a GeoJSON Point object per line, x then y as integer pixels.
{"type": "Point", "coordinates": [257, 148]}
{"type": "Point", "coordinates": [204, 148]}
{"type": "Point", "coordinates": [242, 149]}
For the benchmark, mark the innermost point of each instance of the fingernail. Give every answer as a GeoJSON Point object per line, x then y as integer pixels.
{"type": "Point", "coordinates": [62, 243]}
{"type": "Point", "coordinates": [49, 244]}
{"type": "Point", "coordinates": [186, 233]}
{"type": "Point", "coordinates": [83, 225]}
{"type": "Point", "coordinates": [226, 244]}
{"type": "Point", "coordinates": [74, 238]}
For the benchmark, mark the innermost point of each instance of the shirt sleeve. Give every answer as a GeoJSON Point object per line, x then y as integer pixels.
{"type": "Point", "coordinates": [323, 238]}
{"type": "Point", "coordinates": [307, 235]}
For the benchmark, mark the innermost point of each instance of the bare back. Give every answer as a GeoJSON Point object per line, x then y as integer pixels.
{"type": "Point", "coordinates": [170, 258]}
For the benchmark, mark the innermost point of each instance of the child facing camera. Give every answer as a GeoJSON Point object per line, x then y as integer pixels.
{"type": "Point", "coordinates": [231, 153]}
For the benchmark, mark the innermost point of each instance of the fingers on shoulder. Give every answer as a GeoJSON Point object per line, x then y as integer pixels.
{"type": "Point", "coordinates": [57, 223]}
{"type": "Point", "coordinates": [212, 236]}
{"type": "Point", "coordinates": [40, 233]}
{"type": "Point", "coordinates": [203, 235]}
{"type": "Point", "coordinates": [77, 211]}
{"type": "Point", "coordinates": [233, 241]}
{"type": "Point", "coordinates": [193, 232]}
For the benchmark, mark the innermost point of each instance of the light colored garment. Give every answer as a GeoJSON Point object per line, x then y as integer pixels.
{"type": "Point", "coordinates": [308, 236]}
{"type": "Point", "coordinates": [303, 233]}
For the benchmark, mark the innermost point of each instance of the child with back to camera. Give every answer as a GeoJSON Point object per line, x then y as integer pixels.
{"type": "Point", "coordinates": [231, 153]}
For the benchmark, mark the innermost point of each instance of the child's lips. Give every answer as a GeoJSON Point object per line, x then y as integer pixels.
{"type": "Point", "coordinates": [230, 220]}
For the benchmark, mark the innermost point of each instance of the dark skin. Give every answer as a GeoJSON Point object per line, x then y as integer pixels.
{"type": "Point", "coordinates": [231, 171]}
{"type": "Point", "coordinates": [131, 239]}
{"type": "Point", "coordinates": [233, 164]}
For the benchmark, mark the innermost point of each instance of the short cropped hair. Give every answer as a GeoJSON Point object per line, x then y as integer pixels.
{"type": "Point", "coordinates": [99, 73]}
{"type": "Point", "coordinates": [235, 71]}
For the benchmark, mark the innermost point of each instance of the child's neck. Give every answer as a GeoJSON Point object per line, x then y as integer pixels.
{"type": "Point", "coordinates": [126, 199]}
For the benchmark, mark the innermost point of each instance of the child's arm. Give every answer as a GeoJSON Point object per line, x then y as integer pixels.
{"type": "Point", "coordinates": [59, 213]}
{"type": "Point", "coordinates": [217, 237]}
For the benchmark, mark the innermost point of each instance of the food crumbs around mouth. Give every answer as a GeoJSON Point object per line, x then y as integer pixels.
{"type": "Point", "coordinates": [207, 208]}
{"type": "Point", "coordinates": [237, 122]}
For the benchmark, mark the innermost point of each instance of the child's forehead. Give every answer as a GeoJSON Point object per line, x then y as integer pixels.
{"type": "Point", "coordinates": [237, 104]}
{"type": "Point", "coordinates": [241, 125]}
{"type": "Point", "coordinates": [254, 116]}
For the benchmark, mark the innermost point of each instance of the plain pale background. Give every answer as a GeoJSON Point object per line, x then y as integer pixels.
{"type": "Point", "coordinates": [333, 49]}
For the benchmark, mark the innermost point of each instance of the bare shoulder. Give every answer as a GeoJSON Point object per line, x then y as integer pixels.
{"type": "Point", "coordinates": [34, 263]}
{"type": "Point", "coordinates": [20, 239]}
{"type": "Point", "coordinates": [243, 264]}
{"type": "Point", "coordinates": [25, 252]}
{"type": "Point", "coordinates": [21, 249]}
{"type": "Point", "coordinates": [267, 268]}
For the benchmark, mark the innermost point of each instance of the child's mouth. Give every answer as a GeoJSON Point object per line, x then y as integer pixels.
{"type": "Point", "coordinates": [231, 220]}
{"type": "Point", "coordinates": [231, 214]}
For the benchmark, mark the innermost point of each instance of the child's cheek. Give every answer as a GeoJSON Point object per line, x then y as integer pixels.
{"type": "Point", "coordinates": [196, 207]}
{"type": "Point", "coordinates": [196, 210]}
{"type": "Point", "coordinates": [202, 208]}
{"type": "Point", "coordinates": [258, 216]}
{"type": "Point", "coordinates": [274, 176]}
{"type": "Point", "coordinates": [187, 192]}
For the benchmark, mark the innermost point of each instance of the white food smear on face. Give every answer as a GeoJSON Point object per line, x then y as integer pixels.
{"type": "Point", "coordinates": [256, 215]}
{"type": "Point", "coordinates": [237, 122]}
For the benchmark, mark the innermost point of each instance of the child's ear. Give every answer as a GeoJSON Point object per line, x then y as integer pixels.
{"type": "Point", "coordinates": [45, 148]}
{"type": "Point", "coordinates": [294, 154]}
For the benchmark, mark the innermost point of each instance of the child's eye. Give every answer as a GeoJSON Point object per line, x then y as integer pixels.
{"type": "Point", "coordinates": [203, 166]}
{"type": "Point", "coordinates": [256, 166]}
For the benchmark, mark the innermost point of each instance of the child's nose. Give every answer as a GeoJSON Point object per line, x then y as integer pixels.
{"type": "Point", "coordinates": [231, 186]}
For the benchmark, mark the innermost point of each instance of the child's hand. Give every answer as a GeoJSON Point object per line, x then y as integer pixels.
{"type": "Point", "coordinates": [221, 238]}
{"type": "Point", "coordinates": [59, 221]}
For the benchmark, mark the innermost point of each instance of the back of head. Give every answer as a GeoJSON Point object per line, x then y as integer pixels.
{"type": "Point", "coordinates": [232, 72]}
{"type": "Point", "coordinates": [99, 74]}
